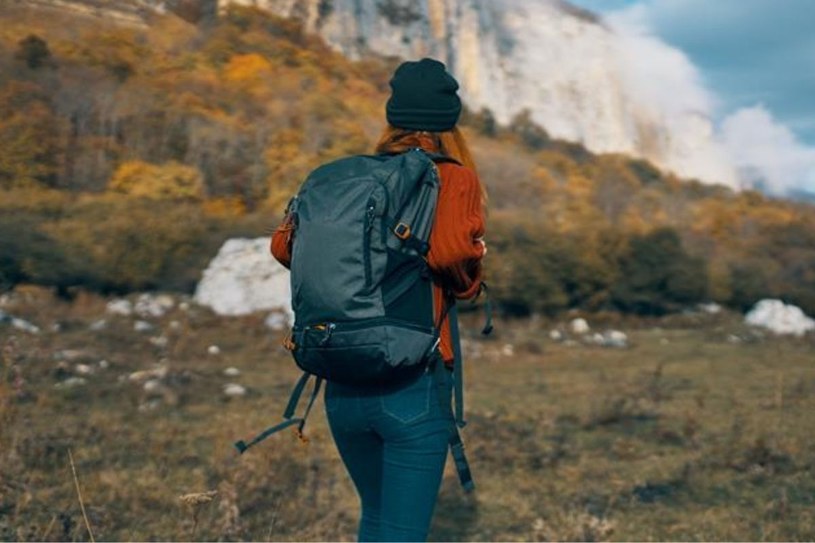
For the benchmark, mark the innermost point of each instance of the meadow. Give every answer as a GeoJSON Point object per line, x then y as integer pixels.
{"type": "Point", "coordinates": [699, 429]}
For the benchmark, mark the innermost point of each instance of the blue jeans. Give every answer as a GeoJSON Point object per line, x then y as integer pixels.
{"type": "Point", "coordinates": [394, 442]}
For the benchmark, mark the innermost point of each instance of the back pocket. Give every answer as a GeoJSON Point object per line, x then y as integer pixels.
{"type": "Point", "coordinates": [409, 403]}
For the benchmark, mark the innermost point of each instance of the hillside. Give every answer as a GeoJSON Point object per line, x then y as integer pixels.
{"type": "Point", "coordinates": [134, 151]}
{"type": "Point", "coordinates": [574, 73]}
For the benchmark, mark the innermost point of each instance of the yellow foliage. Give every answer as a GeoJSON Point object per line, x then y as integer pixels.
{"type": "Point", "coordinates": [248, 70]}
{"type": "Point", "coordinates": [170, 181]}
{"type": "Point", "coordinates": [226, 206]}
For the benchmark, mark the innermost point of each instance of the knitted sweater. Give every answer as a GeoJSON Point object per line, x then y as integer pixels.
{"type": "Point", "coordinates": [455, 252]}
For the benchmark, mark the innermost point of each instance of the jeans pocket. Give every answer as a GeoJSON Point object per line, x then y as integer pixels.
{"type": "Point", "coordinates": [409, 403]}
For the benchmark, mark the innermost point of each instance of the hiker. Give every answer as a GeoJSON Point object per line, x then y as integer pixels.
{"type": "Point", "coordinates": [393, 440]}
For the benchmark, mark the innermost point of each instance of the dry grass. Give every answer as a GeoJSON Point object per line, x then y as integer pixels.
{"type": "Point", "coordinates": [684, 436]}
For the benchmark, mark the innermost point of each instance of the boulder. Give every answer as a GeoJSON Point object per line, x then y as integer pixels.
{"type": "Point", "coordinates": [244, 278]}
{"type": "Point", "coordinates": [120, 306]}
{"type": "Point", "coordinates": [234, 390]}
{"type": "Point", "coordinates": [153, 305]}
{"type": "Point", "coordinates": [579, 326]}
{"type": "Point", "coordinates": [780, 318]}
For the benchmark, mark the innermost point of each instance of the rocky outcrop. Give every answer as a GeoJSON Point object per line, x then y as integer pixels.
{"type": "Point", "coordinates": [560, 62]}
{"type": "Point", "coordinates": [244, 278]}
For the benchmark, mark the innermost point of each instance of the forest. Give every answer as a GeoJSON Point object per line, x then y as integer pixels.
{"type": "Point", "coordinates": [129, 154]}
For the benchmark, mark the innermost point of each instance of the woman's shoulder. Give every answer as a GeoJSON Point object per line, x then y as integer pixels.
{"type": "Point", "coordinates": [454, 170]}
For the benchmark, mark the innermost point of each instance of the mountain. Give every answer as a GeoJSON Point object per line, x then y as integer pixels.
{"type": "Point", "coordinates": [560, 62]}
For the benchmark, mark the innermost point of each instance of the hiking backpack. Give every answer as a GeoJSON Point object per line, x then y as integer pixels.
{"type": "Point", "coordinates": [362, 291]}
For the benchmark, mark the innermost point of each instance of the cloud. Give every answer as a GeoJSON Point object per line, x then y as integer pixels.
{"type": "Point", "coordinates": [661, 80]}
{"type": "Point", "coordinates": [653, 66]}
{"type": "Point", "coordinates": [748, 50]}
{"type": "Point", "coordinates": [768, 152]}
{"type": "Point", "coordinates": [759, 144]}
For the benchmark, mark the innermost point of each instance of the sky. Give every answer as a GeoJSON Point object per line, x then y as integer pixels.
{"type": "Point", "coordinates": [756, 61]}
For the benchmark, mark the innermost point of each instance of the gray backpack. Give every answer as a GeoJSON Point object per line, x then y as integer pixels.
{"type": "Point", "coordinates": [361, 288]}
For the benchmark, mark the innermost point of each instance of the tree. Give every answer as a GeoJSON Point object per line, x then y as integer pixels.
{"type": "Point", "coordinates": [171, 181]}
{"type": "Point", "coordinates": [532, 134]}
{"type": "Point", "coordinates": [34, 51]}
{"type": "Point", "coordinates": [658, 276]}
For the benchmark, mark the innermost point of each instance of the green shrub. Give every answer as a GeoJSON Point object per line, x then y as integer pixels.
{"type": "Point", "coordinates": [657, 275]}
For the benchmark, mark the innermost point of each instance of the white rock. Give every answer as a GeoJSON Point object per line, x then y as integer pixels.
{"type": "Point", "coordinates": [55, 327]}
{"type": "Point", "coordinates": [213, 350]}
{"type": "Point", "coordinates": [104, 364]}
{"type": "Point", "coordinates": [232, 372]}
{"type": "Point", "coordinates": [19, 324]}
{"type": "Point", "coordinates": [277, 321]}
{"type": "Point", "coordinates": [83, 369]}
{"type": "Point", "coordinates": [159, 341]}
{"type": "Point", "coordinates": [153, 386]}
{"type": "Point", "coordinates": [234, 390]}
{"type": "Point", "coordinates": [98, 325]}
{"type": "Point", "coordinates": [144, 375]}
{"type": "Point", "coordinates": [508, 349]}
{"type": "Point", "coordinates": [71, 382]}
{"type": "Point", "coordinates": [153, 306]}
{"type": "Point", "coordinates": [615, 338]}
{"type": "Point", "coordinates": [175, 326]}
{"type": "Point", "coordinates": [244, 278]}
{"type": "Point", "coordinates": [120, 307]}
{"type": "Point", "coordinates": [734, 339]}
{"type": "Point", "coordinates": [142, 326]}
{"type": "Point", "coordinates": [780, 318]}
{"type": "Point", "coordinates": [711, 308]}
{"type": "Point", "coordinates": [555, 335]}
{"type": "Point", "coordinates": [596, 338]}
{"type": "Point", "coordinates": [184, 306]}
{"type": "Point", "coordinates": [579, 326]}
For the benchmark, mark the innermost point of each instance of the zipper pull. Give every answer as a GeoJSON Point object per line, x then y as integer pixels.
{"type": "Point", "coordinates": [369, 215]}
{"type": "Point", "coordinates": [329, 327]}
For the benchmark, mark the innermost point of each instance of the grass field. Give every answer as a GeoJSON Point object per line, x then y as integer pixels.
{"type": "Point", "coordinates": [700, 430]}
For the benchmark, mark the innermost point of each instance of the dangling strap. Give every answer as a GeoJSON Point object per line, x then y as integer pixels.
{"type": "Point", "coordinates": [465, 476]}
{"type": "Point", "coordinates": [487, 308]}
{"type": "Point", "coordinates": [288, 414]}
{"type": "Point", "coordinates": [458, 371]}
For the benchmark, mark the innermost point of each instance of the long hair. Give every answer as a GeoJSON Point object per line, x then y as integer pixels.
{"type": "Point", "coordinates": [449, 143]}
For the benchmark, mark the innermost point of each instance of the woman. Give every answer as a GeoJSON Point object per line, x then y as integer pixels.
{"type": "Point", "coordinates": [394, 442]}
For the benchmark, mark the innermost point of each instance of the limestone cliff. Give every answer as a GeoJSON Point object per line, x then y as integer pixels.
{"type": "Point", "coordinates": [560, 62]}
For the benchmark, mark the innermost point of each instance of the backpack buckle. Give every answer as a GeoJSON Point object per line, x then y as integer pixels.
{"type": "Point", "coordinates": [402, 231]}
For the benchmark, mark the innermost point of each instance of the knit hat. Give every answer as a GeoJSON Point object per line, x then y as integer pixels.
{"type": "Point", "coordinates": [423, 97]}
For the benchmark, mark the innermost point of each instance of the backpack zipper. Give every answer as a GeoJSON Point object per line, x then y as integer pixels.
{"type": "Point", "coordinates": [366, 249]}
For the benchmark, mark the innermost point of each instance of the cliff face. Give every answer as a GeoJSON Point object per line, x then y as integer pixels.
{"type": "Point", "coordinates": [558, 61]}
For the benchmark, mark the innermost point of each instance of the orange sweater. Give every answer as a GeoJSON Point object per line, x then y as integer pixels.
{"type": "Point", "coordinates": [455, 252]}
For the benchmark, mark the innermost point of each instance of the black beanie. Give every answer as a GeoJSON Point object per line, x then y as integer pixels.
{"type": "Point", "coordinates": [423, 97]}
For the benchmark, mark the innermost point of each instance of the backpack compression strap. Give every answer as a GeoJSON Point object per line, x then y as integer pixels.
{"type": "Point", "coordinates": [288, 414]}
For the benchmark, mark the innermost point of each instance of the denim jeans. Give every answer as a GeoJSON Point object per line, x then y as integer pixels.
{"type": "Point", "coordinates": [394, 442]}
